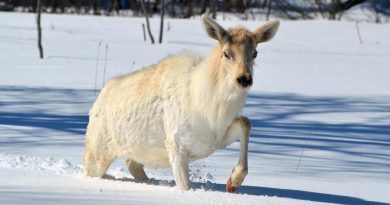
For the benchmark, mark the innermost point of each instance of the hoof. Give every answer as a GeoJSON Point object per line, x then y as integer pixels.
{"type": "Point", "coordinates": [229, 187]}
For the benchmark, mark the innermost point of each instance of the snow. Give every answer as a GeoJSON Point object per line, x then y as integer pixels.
{"type": "Point", "coordinates": [318, 93]}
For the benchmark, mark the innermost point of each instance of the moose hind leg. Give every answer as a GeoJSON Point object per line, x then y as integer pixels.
{"type": "Point", "coordinates": [95, 165]}
{"type": "Point", "coordinates": [137, 170]}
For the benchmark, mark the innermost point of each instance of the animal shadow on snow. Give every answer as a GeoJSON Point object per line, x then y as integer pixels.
{"type": "Point", "coordinates": [261, 191]}
{"type": "Point", "coordinates": [40, 116]}
{"type": "Point", "coordinates": [346, 135]}
{"type": "Point", "coordinates": [286, 122]}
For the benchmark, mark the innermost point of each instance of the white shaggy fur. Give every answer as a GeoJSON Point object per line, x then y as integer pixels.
{"type": "Point", "coordinates": [181, 109]}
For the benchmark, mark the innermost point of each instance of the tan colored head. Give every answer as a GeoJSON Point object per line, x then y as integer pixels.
{"type": "Point", "coordinates": [238, 48]}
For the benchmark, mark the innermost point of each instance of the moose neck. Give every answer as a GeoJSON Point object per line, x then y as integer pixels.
{"type": "Point", "coordinates": [216, 98]}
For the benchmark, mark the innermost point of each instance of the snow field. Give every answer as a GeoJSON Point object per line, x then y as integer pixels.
{"type": "Point", "coordinates": [317, 93]}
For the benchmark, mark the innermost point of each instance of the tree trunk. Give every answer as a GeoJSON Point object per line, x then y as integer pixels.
{"type": "Point", "coordinates": [78, 7]}
{"type": "Point", "coordinates": [269, 9]}
{"type": "Point", "coordinates": [212, 9]}
{"type": "Point", "coordinates": [155, 7]}
{"type": "Point", "coordinates": [190, 11]}
{"type": "Point", "coordinates": [161, 22]}
{"type": "Point", "coordinates": [39, 9]}
{"type": "Point", "coordinates": [54, 6]}
{"type": "Point", "coordinates": [34, 6]}
{"type": "Point", "coordinates": [377, 11]}
{"type": "Point", "coordinates": [283, 8]}
{"type": "Point", "coordinates": [264, 4]}
{"type": "Point", "coordinates": [114, 7]}
{"type": "Point", "coordinates": [204, 7]}
{"type": "Point", "coordinates": [240, 6]}
{"type": "Point", "coordinates": [173, 6]}
{"type": "Point", "coordinates": [337, 6]}
{"type": "Point", "coordinates": [64, 4]}
{"type": "Point", "coordinates": [320, 7]}
{"type": "Point", "coordinates": [226, 5]}
{"type": "Point", "coordinates": [96, 7]}
{"type": "Point", "coordinates": [135, 7]}
{"type": "Point", "coordinates": [144, 32]}
{"type": "Point", "coordinates": [147, 21]}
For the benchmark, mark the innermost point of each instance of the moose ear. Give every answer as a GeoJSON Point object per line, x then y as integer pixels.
{"type": "Point", "coordinates": [214, 30]}
{"type": "Point", "coordinates": [267, 31]}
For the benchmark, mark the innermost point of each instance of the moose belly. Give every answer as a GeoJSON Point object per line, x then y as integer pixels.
{"type": "Point", "coordinates": [148, 156]}
{"type": "Point", "coordinates": [202, 147]}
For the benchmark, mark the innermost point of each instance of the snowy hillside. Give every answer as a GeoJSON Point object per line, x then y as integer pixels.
{"type": "Point", "coordinates": [320, 110]}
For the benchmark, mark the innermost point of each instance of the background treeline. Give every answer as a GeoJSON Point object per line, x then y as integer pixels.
{"type": "Point", "coordinates": [246, 9]}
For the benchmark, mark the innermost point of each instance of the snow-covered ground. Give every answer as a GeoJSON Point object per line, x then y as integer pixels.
{"type": "Point", "coordinates": [320, 109]}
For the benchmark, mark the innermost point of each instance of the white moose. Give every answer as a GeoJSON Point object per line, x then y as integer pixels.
{"type": "Point", "coordinates": [181, 109]}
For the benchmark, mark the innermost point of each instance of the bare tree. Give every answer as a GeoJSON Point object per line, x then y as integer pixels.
{"type": "Point", "coordinates": [286, 7]}
{"type": "Point", "coordinates": [376, 8]}
{"type": "Point", "coordinates": [155, 6]}
{"type": "Point", "coordinates": [335, 8]}
{"type": "Point", "coordinates": [240, 6]}
{"type": "Point", "coordinates": [204, 7]}
{"type": "Point", "coordinates": [212, 9]}
{"type": "Point", "coordinates": [161, 22]}
{"type": "Point", "coordinates": [96, 7]}
{"type": "Point", "coordinates": [172, 8]}
{"type": "Point", "coordinates": [114, 7]}
{"type": "Point", "coordinates": [320, 7]}
{"type": "Point", "coordinates": [147, 21]}
{"type": "Point", "coordinates": [226, 5]}
{"type": "Point", "coordinates": [300, 9]}
{"type": "Point", "coordinates": [269, 7]}
{"type": "Point", "coordinates": [190, 10]}
{"type": "Point", "coordinates": [39, 9]}
{"type": "Point", "coordinates": [143, 30]}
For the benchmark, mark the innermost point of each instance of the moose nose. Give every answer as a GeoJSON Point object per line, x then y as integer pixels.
{"type": "Point", "coordinates": [244, 81]}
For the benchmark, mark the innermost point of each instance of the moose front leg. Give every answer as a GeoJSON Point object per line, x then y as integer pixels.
{"type": "Point", "coordinates": [239, 128]}
{"type": "Point", "coordinates": [179, 163]}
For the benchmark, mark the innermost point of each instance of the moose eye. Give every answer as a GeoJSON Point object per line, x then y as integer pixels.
{"type": "Point", "coordinates": [226, 55]}
{"type": "Point", "coordinates": [255, 54]}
